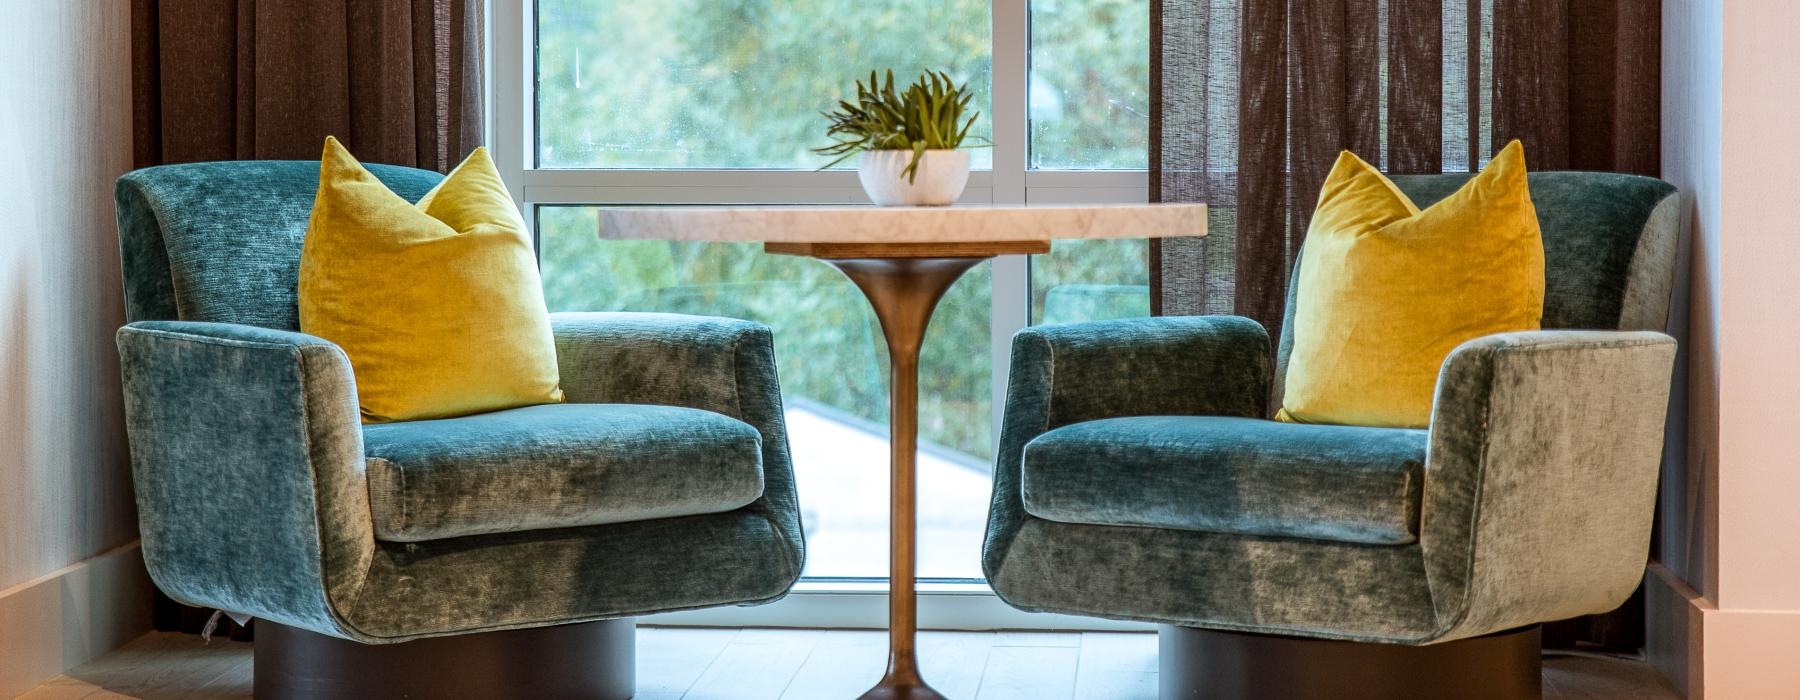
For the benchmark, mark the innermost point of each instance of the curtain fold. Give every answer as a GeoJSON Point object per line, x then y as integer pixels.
{"type": "Point", "coordinates": [1254, 99]}
{"type": "Point", "coordinates": [398, 81]}
{"type": "Point", "coordinates": [1251, 101]}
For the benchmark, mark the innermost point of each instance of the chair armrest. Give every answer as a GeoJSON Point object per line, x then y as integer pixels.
{"type": "Point", "coordinates": [1541, 477]}
{"type": "Point", "coordinates": [665, 359]}
{"type": "Point", "coordinates": [247, 458]}
{"type": "Point", "coordinates": [722, 365]}
{"type": "Point", "coordinates": [1169, 365]}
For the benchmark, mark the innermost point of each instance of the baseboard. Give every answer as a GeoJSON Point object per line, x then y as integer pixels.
{"type": "Point", "coordinates": [1723, 654]}
{"type": "Point", "coordinates": [61, 620]}
{"type": "Point", "coordinates": [1750, 654]}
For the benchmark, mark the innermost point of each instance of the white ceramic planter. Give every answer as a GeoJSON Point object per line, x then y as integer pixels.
{"type": "Point", "coordinates": [942, 176]}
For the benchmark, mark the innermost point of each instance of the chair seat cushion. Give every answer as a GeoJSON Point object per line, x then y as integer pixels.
{"type": "Point", "coordinates": [1230, 475]}
{"type": "Point", "coordinates": [557, 465]}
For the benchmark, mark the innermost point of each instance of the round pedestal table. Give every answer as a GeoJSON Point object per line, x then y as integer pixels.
{"type": "Point", "coordinates": [903, 259]}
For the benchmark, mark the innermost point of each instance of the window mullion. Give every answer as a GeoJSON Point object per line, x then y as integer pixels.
{"type": "Point", "coordinates": [1011, 297]}
{"type": "Point", "coordinates": [509, 90]}
{"type": "Point", "coordinates": [1011, 63]}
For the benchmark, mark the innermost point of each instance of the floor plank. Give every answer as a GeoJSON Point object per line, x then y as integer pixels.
{"type": "Point", "coordinates": [729, 664]}
{"type": "Point", "coordinates": [153, 666]}
{"type": "Point", "coordinates": [1030, 673]}
{"type": "Point", "coordinates": [1590, 677]}
{"type": "Point", "coordinates": [842, 665]}
{"type": "Point", "coordinates": [953, 662]}
{"type": "Point", "coordinates": [1116, 666]}
{"type": "Point", "coordinates": [756, 665]}
{"type": "Point", "coordinates": [671, 659]}
{"type": "Point", "coordinates": [231, 685]}
{"type": "Point", "coordinates": [1037, 639]}
{"type": "Point", "coordinates": [200, 664]}
{"type": "Point", "coordinates": [61, 688]}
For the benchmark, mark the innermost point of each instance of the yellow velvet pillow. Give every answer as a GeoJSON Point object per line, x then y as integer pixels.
{"type": "Point", "coordinates": [1386, 291]}
{"type": "Point", "coordinates": [437, 304]}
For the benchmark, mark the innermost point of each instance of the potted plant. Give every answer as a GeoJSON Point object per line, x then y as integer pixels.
{"type": "Point", "coordinates": [908, 140]}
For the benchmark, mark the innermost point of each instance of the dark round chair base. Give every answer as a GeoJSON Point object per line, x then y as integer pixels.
{"type": "Point", "coordinates": [1196, 663]}
{"type": "Point", "coordinates": [594, 660]}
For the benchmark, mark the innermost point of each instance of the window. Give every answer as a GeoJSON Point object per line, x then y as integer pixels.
{"type": "Point", "coordinates": [730, 83]}
{"type": "Point", "coordinates": [1090, 84]}
{"type": "Point", "coordinates": [623, 102]}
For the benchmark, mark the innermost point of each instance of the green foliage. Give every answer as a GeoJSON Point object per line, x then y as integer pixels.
{"type": "Point", "coordinates": [827, 342]}
{"type": "Point", "coordinates": [924, 117]}
{"type": "Point", "coordinates": [733, 83]}
{"type": "Point", "coordinates": [740, 84]}
{"type": "Point", "coordinates": [1090, 84]}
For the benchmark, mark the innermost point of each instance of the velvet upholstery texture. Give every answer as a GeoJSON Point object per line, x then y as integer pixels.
{"type": "Point", "coordinates": [438, 304]}
{"type": "Point", "coordinates": [221, 241]}
{"type": "Point", "coordinates": [1388, 288]}
{"type": "Point", "coordinates": [254, 477]}
{"type": "Point", "coordinates": [1241, 476]}
{"type": "Point", "coordinates": [556, 465]}
{"type": "Point", "coordinates": [1535, 494]}
{"type": "Point", "coordinates": [1609, 249]}
{"type": "Point", "coordinates": [1604, 233]}
{"type": "Point", "coordinates": [247, 461]}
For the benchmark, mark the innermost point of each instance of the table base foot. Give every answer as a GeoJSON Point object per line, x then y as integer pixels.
{"type": "Point", "coordinates": [898, 689]}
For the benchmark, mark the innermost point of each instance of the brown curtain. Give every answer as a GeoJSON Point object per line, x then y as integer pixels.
{"type": "Point", "coordinates": [1253, 99]}
{"type": "Point", "coordinates": [398, 81]}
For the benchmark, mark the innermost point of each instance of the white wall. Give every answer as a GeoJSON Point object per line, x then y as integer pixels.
{"type": "Point", "coordinates": [1759, 526]}
{"type": "Point", "coordinates": [65, 501]}
{"type": "Point", "coordinates": [1725, 608]}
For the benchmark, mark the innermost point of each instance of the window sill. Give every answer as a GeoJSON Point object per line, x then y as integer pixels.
{"type": "Point", "coordinates": [863, 605]}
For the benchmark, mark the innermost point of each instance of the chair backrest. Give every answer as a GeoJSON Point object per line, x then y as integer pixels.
{"type": "Point", "coordinates": [1609, 249]}
{"type": "Point", "coordinates": [221, 241]}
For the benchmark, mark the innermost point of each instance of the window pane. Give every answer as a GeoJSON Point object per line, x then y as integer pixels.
{"type": "Point", "coordinates": [833, 368]}
{"type": "Point", "coordinates": [1090, 280]}
{"type": "Point", "coordinates": [733, 83]}
{"type": "Point", "coordinates": [1090, 84]}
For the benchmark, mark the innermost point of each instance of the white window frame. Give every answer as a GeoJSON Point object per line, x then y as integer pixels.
{"type": "Point", "coordinates": [509, 90]}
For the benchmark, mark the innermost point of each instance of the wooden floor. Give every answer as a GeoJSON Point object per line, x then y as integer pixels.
{"type": "Point", "coordinates": [729, 664]}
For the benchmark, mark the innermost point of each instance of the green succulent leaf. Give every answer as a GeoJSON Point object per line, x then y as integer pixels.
{"type": "Point", "coordinates": [926, 115]}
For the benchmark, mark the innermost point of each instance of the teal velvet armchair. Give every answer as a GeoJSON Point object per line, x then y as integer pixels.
{"type": "Point", "coordinates": [1139, 477]}
{"type": "Point", "coordinates": [663, 483]}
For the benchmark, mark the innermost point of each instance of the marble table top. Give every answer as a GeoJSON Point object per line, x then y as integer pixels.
{"type": "Point", "coordinates": [868, 224]}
